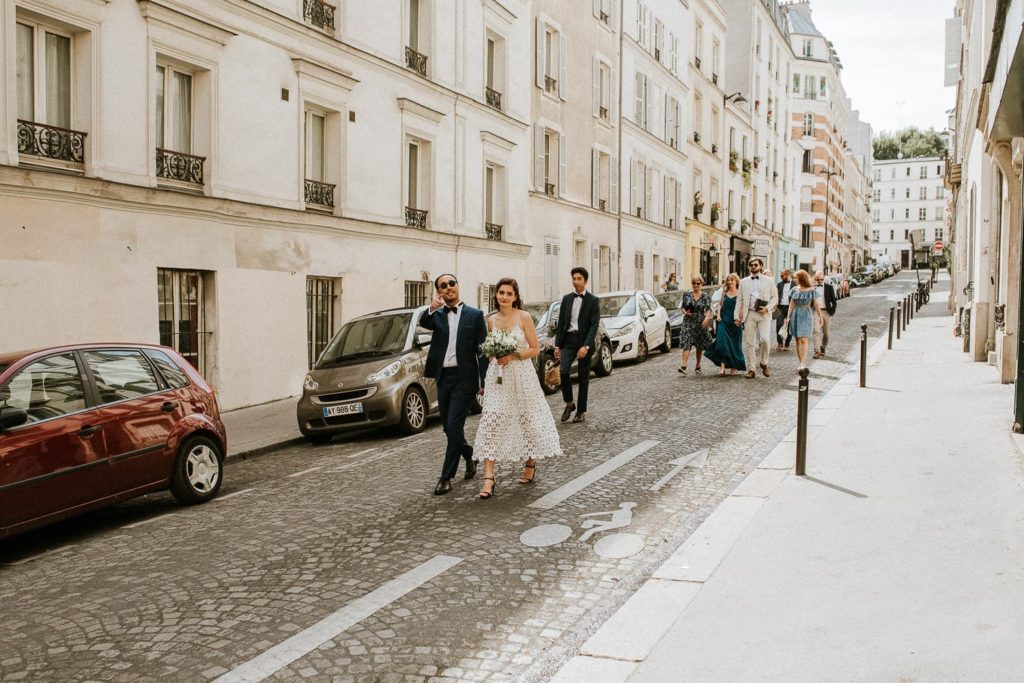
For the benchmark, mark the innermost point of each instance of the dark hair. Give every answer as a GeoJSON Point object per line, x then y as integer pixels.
{"type": "Point", "coordinates": [511, 282]}
{"type": "Point", "coordinates": [582, 271]}
{"type": "Point", "coordinates": [758, 259]}
{"type": "Point", "coordinates": [436, 279]}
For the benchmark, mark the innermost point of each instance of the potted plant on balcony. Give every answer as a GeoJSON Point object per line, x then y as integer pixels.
{"type": "Point", "coordinates": [757, 162]}
{"type": "Point", "coordinates": [744, 225]}
{"type": "Point", "coordinates": [734, 160]}
{"type": "Point", "coordinates": [746, 178]}
{"type": "Point", "coordinates": [746, 165]}
{"type": "Point", "coordinates": [716, 208]}
{"type": "Point", "coordinates": [732, 222]}
{"type": "Point", "coordinates": [698, 204]}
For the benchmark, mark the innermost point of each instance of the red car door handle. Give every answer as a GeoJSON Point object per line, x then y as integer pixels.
{"type": "Point", "coordinates": [168, 406]}
{"type": "Point", "coordinates": [89, 430]}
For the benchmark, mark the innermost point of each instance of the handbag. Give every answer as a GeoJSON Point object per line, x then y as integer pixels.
{"type": "Point", "coordinates": [553, 376]}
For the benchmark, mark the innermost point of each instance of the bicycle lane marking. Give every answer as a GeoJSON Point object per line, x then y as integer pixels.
{"type": "Point", "coordinates": [573, 487]}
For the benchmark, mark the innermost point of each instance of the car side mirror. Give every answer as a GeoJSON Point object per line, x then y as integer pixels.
{"type": "Point", "coordinates": [423, 339]}
{"type": "Point", "coordinates": [648, 315]}
{"type": "Point", "coordinates": [12, 417]}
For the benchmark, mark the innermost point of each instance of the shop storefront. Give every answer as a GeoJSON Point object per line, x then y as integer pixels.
{"type": "Point", "coordinates": [740, 252]}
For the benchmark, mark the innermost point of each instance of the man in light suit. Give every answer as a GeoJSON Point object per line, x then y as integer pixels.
{"type": "Point", "coordinates": [756, 300]}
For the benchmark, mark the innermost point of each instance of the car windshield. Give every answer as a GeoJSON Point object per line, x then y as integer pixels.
{"type": "Point", "coordinates": [670, 300]}
{"type": "Point", "coordinates": [613, 306]}
{"type": "Point", "coordinates": [537, 312]}
{"type": "Point", "coordinates": [381, 335]}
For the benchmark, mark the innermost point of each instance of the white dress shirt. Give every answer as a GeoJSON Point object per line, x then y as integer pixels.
{"type": "Point", "coordinates": [450, 360]}
{"type": "Point", "coordinates": [786, 289]}
{"type": "Point", "coordinates": [755, 292]}
{"type": "Point", "coordinates": [574, 316]}
{"type": "Point", "coordinates": [819, 293]}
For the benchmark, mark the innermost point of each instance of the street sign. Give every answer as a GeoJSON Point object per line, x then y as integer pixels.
{"type": "Point", "coordinates": [938, 246]}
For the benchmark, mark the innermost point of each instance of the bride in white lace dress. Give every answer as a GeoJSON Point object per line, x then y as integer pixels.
{"type": "Point", "coordinates": [516, 420]}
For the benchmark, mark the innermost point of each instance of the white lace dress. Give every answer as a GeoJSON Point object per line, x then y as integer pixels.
{"type": "Point", "coordinates": [516, 422]}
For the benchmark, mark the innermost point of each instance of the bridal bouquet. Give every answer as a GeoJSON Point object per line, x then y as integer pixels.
{"type": "Point", "coordinates": [498, 344]}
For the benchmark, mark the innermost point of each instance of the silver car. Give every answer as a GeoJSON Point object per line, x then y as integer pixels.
{"type": "Point", "coordinates": [370, 374]}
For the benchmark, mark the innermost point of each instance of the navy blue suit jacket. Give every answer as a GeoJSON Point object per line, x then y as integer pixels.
{"type": "Point", "coordinates": [472, 331]}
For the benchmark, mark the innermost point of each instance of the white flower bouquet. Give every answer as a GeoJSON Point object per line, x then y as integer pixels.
{"type": "Point", "coordinates": [498, 344]}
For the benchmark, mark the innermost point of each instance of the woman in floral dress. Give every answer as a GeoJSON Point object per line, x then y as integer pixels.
{"type": "Point", "coordinates": [696, 308]}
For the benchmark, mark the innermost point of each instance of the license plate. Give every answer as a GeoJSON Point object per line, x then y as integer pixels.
{"type": "Point", "coordinates": [348, 409]}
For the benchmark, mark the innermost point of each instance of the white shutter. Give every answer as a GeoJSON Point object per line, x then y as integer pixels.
{"type": "Point", "coordinates": [634, 186]}
{"type": "Point", "coordinates": [597, 88]}
{"type": "Point", "coordinates": [674, 53]}
{"type": "Point", "coordinates": [648, 192]}
{"type": "Point", "coordinates": [638, 101]}
{"type": "Point", "coordinates": [482, 302]}
{"type": "Point", "coordinates": [595, 266]}
{"type": "Point", "coordinates": [640, 9]}
{"type": "Point", "coordinates": [677, 117]}
{"type": "Point", "coordinates": [538, 156]}
{"type": "Point", "coordinates": [561, 165]}
{"type": "Point", "coordinates": [613, 185]}
{"type": "Point", "coordinates": [613, 98]}
{"type": "Point", "coordinates": [597, 8]}
{"type": "Point", "coordinates": [540, 53]}
{"type": "Point", "coordinates": [666, 205]}
{"type": "Point", "coordinates": [649, 103]}
{"type": "Point", "coordinates": [595, 178]}
{"type": "Point", "coordinates": [655, 195]}
{"type": "Point", "coordinates": [648, 20]}
{"type": "Point", "coordinates": [679, 204]}
{"type": "Point", "coordinates": [563, 67]}
{"type": "Point", "coordinates": [666, 130]}
{"type": "Point", "coordinates": [659, 41]}
{"type": "Point", "coordinates": [614, 259]}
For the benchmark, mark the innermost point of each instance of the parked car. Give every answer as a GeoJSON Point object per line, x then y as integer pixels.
{"type": "Point", "coordinates": [545, 318]}
{"type": "Point", "coordinates": [868, 273]}
{"type": "Point", "coordinates": [635, 322]}
{"type": "Point", "coordinates": [370, 375]}
{"type": "Point", "coordinates": [837, 282]}
{"type": "Point", "coordinates": [86, 426]}
{"type": "Point", "coordinates": [857, 280]}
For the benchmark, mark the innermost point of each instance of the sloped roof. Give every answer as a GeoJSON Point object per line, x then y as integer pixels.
{"type": "Point", "coordinates": [800, 20]}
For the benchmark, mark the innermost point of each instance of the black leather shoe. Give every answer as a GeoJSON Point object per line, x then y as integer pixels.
{"type": "Point", "coordinates": [443, 486]}
{"type": "Point", "coordinates": [580, 417]}
{"type": "Point", "coordinates": [567, 413]}
{"type": "Point", "coordinates": [470, 469]}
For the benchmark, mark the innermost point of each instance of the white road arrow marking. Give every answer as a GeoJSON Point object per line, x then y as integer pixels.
{"type": "Point", "coordinates": [695, 459]}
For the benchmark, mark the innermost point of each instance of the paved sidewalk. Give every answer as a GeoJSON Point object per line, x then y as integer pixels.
{"type": "Point", "coordinates": [258, 429]}
{"type": "Point", "coordinates": [900, 557]}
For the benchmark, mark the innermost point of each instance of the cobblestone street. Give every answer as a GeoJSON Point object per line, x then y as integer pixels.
{"type": "Point", "coordinates": [403, 585]}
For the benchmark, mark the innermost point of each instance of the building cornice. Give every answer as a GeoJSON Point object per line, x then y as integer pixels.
{"type": "Point", "coordinates": [169, 14]}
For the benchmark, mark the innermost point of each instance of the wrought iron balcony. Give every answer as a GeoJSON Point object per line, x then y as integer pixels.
{"type": "Point", "coordinates": [492, 231]}
{"type": "Point", "coordinates": [318, 13]}
{"type": "Point", "coordinates": [696, 62]}
{"type": "Point", "coordinates": [549, 189]}
{"type": "Point", "coordinates": [51, 142]}
{"type": "Point", "coordinates": [714, 78]}
{"type": "Point", "coordinates": [415, 218]}
{"type": "Point", "coordinates": [319, 194]}
{"type": "Point", "coordinates": [602, 204]}
{"type": "Point", "coordinates": [714, 148]}
{"type": "Point", "coordinates": [696, 136]}
{"type": "Point", "coordinates": [604, 17]}
{"type": "Point", "coordinates": [186, 168]}
{"type": "Point", "coordinates": [415, 61]}
{"type": "Point", "coordinates": [657, 54]}
{"type": "Point", "coordinates": [494, 98]}
{"type": "Point", "coordinates": [550, 84]}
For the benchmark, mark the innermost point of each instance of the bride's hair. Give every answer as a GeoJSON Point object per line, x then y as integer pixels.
{"type": "Point", "coordinates": [511, 282]}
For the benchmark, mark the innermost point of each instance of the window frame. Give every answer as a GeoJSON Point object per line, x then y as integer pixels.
{"type": "Point", "coordinates": [170, 68]}
{"type": "Point", "coordinates": [83, 378]}
{"type": "Point", "coordinates": [161, 383]}
{"type": "Point", "coordinates": [39, 104]}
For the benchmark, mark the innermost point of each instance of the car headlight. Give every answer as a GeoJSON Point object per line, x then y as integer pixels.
{"type": "Point", "coordinates": [310, 384]}
{"type": "Point", "coordinates": [622, 331]}
{"type": "Point", "coordinates": [389, 370]}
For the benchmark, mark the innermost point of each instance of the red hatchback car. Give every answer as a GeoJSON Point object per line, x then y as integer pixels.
{"type": "Point", "coordinates": [88, 425]}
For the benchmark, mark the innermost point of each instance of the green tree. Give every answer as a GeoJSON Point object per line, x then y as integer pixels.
{"type": "Point", "coordinates": [912, 142]}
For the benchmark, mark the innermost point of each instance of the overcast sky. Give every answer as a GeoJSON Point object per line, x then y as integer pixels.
{"type": "Point", "coordinates": [892, 53]}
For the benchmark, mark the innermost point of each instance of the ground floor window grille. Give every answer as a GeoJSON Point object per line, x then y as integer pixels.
{"type": "Point", "coordinates": [181, 299]}
{"type": "Point", "coordinates": [321, 300]}
{"type": "Point", "coordinates": [487, 294]}
{"type": "Point", "coordinates": [416, 293]}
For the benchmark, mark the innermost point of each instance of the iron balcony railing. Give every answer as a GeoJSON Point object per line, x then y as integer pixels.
{"type": "Point", "coordinates": [186, 168]}
{"type": "Point", "coordinates": [494, 98]}
{"type": "Point", "coordinates": [696, 62]}
{"type": "Point", "coordinates": [549, 189]}
{"type": "Point", "coordinates": [318, 13]}
{"type": "Point", "coordinates": [550, 84]}
{"type": "Point", "coordinates": [604, 112]}
{"type": "Point", "coordinates": [492, 231]}
{"type": "Point", "coordinates": [415, 218]}
{"type": "Point", "coordinates": [319, 194]}
{"type": "Point", "coordinates": [602, 204]}
{"type": "Point", "coordinates": [416, 61]}
{"type": "Point", "coordinates": [51, 142]}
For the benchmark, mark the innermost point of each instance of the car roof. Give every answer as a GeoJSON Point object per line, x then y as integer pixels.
{"type": "Point", "coordinates": [11, 357]}
{"type": "Point", "coordinates": [621, 292]}
{"type": "Point", "coordinates": [389, 311]}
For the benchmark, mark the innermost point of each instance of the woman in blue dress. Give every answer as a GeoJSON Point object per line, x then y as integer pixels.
{"type": "Point", "coordinates": [803, 306]}
{"type": "Point", "coordinates": [727, 352]}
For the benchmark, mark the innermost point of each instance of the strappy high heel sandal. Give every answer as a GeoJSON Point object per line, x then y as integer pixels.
{"type": "Point", "coordinates": [533, 472]}
{"type": "Point", "coordinates": [494, 485]}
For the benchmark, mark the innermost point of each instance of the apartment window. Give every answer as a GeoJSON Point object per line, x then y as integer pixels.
{"type": "Point", "coordinates": [417, 293]}
{"type": "Point", "coordinates": [892, 193]}
{"type": "Point", "coordinates": [43, 75]}
{"type": "Point", "coordinates": [906, 234]}
{"type": "Point", "coordinates": [806, 238]}
{"type": "Point", "coordinates": [174, 131]}
{"type": "Point", "coordinates": [907, 193]}
{"type": "Point", "coordinates": [938, 170]}
{"type": "Point", "coordinates": [809, 87]}
{"type": "Point", "coordinates": [552, 51]}
{"type": "Point", "coordinates": [640, 101]}
{"type": "Point", "coordinates": [602, 90]}
{"type": "Point", "coordinates": [659, 39]}
{"type": "Point", "coordinates": [417, 182]}
{"type": "Point", "coordinates": [181, 303]}
{"type": "Point", "coordinates": [892, 235]}
{"type": "Point", "coordinates": [877, 175]}
{"type": "Point", "coordinates": [732, 139]}
{"type": "Point", "coordinates": [672, 121]}
{"type": "Point", "coordinates": [940, 213]}
{"type": "Point", "coordinates": [714, 129]}
{"type": "Point", "coordinates": [494, 200]}
{"type": "Point", "coordinates": [638, 270]}
{"type": "Point", "coordinates": [940, 192]}
{"type": "Point", "coordinates": [808, 48]}
{"type": "Point", "coordinates": [922, 214]}
{"type": "Point", "coordinates": [924, 172]}
{"type": "Point", "coordinates": [923, 193]}
{"type": "Point", "coordinates": [550, 161]}
{"type": "Point", "coordinates": [807, 162]}
{"type": "Point", "coordinates": [494, 75]}
{"type": "Point", "coordinates": [604, 11]}
{"type": "Point", "coordinates": [878, 195]}
{"type": "Point", "coordinates": [698, 116]}
{"type": "Point", "coordinates": [875, 236]}
{"type": "Point", "coordinates": [822, 87]}
{"type": "Point", "coordinates": [796, 84]}
{"type": "Point", "coordinates": [908, 171]}
{"type": "Point", "coordinates": [892, 214]}
{"type": "Point", "coordinates": [698, 44]}
{"type": "Point", "coordinates": [638, 191]}
{"type": "Point", "coordinates": [906, 214]}
{"type": "Point", "coordinates": [642, 17]}
{"type": "Point", "coordinates": [417, 47]}
{"type": "Point", "coordinates": [716, 48]}
{"type": "Point", "coordinates": [809, 125]}
{"type": "Point", "coordinates": [602, 167]}
{"type": "Point", "coordinates": [940, 234]}
{"type": "Point", "coordinates": [321, 300]}
{"type": "Point", "coordinates": [553, 277]}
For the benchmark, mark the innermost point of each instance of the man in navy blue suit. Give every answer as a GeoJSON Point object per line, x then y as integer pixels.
{"type": "Point", "coordinates": [454, 360]}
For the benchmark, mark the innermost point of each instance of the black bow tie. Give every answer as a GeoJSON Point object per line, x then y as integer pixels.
{"type": "Point", "coordinates": [753, 277]}
{"type": "Point", "coordinates": [452, 309]}
{"type": "Point", "coordinates": [578, 296]}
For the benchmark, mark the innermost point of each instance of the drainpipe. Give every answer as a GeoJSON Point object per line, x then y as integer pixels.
{"type": "Point", "coordinates": [618, 156]}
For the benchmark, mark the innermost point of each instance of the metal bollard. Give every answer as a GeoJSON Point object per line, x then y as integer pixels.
{"type": "Point", "coordinates": [892, 316]}
{"type": "Point", "coordinates": [899, 320]}
{"type": "Point", "coordinates": [863, 355]}
{"type": "Point", "coordinates": [801, 421]}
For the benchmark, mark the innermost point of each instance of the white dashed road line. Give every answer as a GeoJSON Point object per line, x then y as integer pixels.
{"type": "Point", "coordinates": [231, 495]}
{"type": "Point", "coordinates": [304, 642]}
{"type": "Point", "coordinates": [589, 477]}
{"type": "Point", "coordinates": [307, 471]}
{"type": "Point", "coordinates": [363, 452]}
{"type": "Point", "coordinates": [146, 521]}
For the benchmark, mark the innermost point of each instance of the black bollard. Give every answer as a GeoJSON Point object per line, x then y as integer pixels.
{"type": "Point", "coordinates": [863, 355]}
{"type": "Point", "coordinates": [892, 316]}
{"type": "Point", "coordinates": [899, 320]}
{"type": "Point", "coordinates": [801, 421]}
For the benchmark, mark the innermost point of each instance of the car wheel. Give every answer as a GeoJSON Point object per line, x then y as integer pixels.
{"type": "Point", "coordinates": [604, 365]}
{"type": "Point", "coordinates": [198, 471]}
{"type": "Point", "coordinates": [548, 361]}
{"type": "Point", "coordinates": [414, 411]}
{"type": "Point", "coordinates": [319, 439]}
{"type": "Point", "coordinates": [641, 349]}
{"type": "Point", "coordinates": [666, 345]}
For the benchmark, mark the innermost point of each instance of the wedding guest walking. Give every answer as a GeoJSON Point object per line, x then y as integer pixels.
{"type": "Point", "coordinates": [578, 318]}
{"type": "Point", "coordinates": [672, 285]}
{"type": "Point", "coordinates": [803, 309]}
{"type": "Point", "coordinates": [757, 299]}
{"type": "Point", "coordinates": [697, 314]}
{"type": "Point", "coordinates": [784, 286]}
{"type": "Point", "coordinates": [516, 421]}
{"type": "Point", "coordinates": [454, 362]}
{"type": "Point", "coordinates": [828, 303]}
{"type": "Point", "coordinates": [727, 351]}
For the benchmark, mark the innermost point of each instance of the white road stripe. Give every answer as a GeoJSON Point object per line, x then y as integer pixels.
{"type": "Point", "coordinates": [412, 436]}
{"type": "Point", "coordinates": [311, 469]}
{"type": "Point", "coordinates": [304, 642]}
{"type": "Point", "coordinates": [232, 495]}
{"type": "Point", "coordinates": [38, 555]}
{"type": "Point", "coordinates": [366, 461]}
{"type": "Point", "coordinates": [589, 477]}
{"type": "Point", "coordinates": [147, 521]}
{"type": "Point", "coordinates": [364, 452]}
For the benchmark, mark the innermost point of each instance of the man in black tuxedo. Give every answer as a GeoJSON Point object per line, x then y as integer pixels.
{"type": "Point", "coordinates": [454, 360]}
{"type": "Point", "coordinates": [828, 302]}
{"type": "Point", "coordinates": [575, 337]}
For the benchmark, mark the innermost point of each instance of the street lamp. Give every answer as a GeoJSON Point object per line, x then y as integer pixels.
{"type": "Point", "coordinates": [829, 172]}
{"type": "Point", "coordinates": [736, 98]}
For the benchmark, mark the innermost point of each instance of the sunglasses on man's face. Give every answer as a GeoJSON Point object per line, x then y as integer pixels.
{"type": "Point", "coordinates": [446, 285]}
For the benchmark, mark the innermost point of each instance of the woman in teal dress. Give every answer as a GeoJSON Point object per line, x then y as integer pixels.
{"type": "Point", "coordinates": [803, 305]}
{"type": "Point", "coordinates": [727, 352]}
